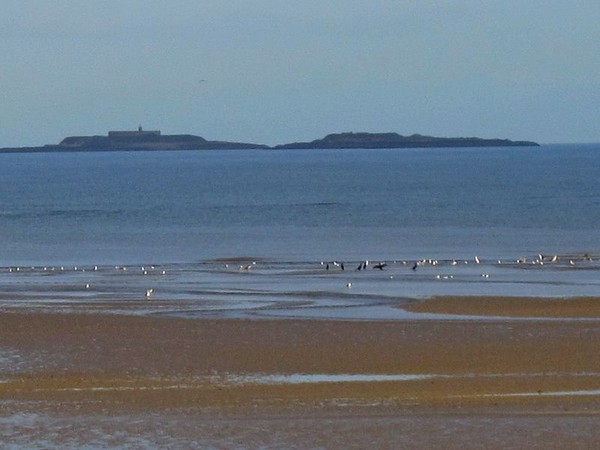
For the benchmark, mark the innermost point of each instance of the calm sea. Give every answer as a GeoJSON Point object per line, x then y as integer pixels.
{"type": "Point", "coordinates": [199, 216]}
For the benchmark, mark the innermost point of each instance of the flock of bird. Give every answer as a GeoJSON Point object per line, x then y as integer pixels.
{"type": "Point", "coordinates": [143, 270]}
{"type": "Point", "coordinates": [538, 260]}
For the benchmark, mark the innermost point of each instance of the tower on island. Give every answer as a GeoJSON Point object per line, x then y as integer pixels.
{"type": "Point", "coordinates": [129, 134]}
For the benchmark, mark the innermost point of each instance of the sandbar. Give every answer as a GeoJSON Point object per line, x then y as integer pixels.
{"type": "Point", "coordinates": [578, 307]}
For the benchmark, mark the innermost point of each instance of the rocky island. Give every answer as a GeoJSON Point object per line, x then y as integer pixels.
{"type": "Point", "coordinates": [140, 140]}
{"type": "Point", "coordinates": [395, 140]}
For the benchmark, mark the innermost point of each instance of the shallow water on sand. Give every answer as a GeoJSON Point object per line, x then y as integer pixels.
{"type": "Point", "coordinates": [262, 288]}
{"type": "Point", "coordinates": [191, 429]}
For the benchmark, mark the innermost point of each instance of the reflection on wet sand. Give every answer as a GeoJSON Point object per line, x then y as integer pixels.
{"type": "Point", "coordinates": [227, 288]}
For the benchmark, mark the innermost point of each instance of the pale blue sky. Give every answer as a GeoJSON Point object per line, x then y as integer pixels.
{"type": "Point", "coordinates": [280, 71]}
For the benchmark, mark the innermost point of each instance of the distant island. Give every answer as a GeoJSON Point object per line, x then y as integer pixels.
{"type": "Point", "coordinates": [395, 140]}
{"type": "Point", "coordinates": [134, 140]}
{"type": "Point", "coordinates": [141, 140]}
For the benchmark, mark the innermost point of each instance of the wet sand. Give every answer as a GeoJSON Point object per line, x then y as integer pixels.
{"type": "Point", "coordinates": [76, 379]}
{"type": "Point", "coordinates": [584, 307]}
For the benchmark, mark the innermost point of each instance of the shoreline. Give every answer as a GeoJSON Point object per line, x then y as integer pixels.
{"type": "Point", "coordinates": [509, 307]}
{"type": "Point", "coordinates": [446, 308]}
{"type": "Point", "coordinates": [123, 371]}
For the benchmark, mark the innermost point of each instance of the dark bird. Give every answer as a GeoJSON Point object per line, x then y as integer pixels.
{"type": "Point", "coordinates": [380, 266]}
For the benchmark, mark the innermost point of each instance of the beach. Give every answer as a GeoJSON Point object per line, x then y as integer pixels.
{"type": "Point", "coordinates": [520, 381]}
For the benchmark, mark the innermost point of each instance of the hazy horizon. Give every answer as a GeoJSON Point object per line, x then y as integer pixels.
{"type": "Point", "coordinates": [271, 72]}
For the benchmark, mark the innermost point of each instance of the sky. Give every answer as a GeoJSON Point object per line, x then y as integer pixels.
{"type": "Point", "coordinates": [276, 71]}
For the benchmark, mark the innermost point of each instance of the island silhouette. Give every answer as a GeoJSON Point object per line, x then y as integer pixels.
{"type": "Point", "coordinates": [140, 140]}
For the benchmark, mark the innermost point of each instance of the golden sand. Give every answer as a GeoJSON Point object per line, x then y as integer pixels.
{"type": "Point", "coordinates": [111, 365]}
{"type": "Point", "coordinates": [92, 350]}
{"type": "Point", "coordinates": [586, 307]}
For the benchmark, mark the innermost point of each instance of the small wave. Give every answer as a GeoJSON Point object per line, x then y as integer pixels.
{"type": "Point", "coordinates": [63, 213]}
{"type": "Point", "coordinates": [83, 213]}
{"type": "Point", "coordinates": [232, 259]}
{"type": "Point", "coordinates": [322, 204]}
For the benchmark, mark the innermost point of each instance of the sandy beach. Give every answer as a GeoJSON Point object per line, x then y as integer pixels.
{"type": "Point", "coordinates": [75, 379]}
{"type": "Point", "coordinates": [583, 307]}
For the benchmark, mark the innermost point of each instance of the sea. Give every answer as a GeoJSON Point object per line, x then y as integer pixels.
{"type": "Point", "coordinates": [283, 233]}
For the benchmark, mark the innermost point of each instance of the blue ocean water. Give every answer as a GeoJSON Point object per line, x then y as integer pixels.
{"type": "Point", "coordinates": [288, 210]}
